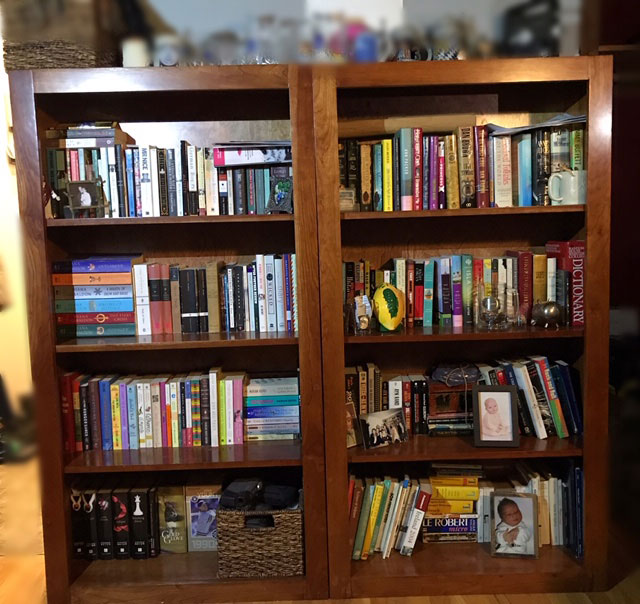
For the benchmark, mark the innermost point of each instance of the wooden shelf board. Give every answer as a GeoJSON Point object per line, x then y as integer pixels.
{"type": "Point", "coordinates": [441, 334]}
{"type": "Point", "coordinates": [176, 578]}
{"type": "Point", "coordinates": [177, 341]}
{"type": "Point", "coordinates": [464, 568]}
{"type": "Point", "coordinates": [432, 448]}
{"type": "Point", "coordinates": [172, 220]}
{"type": "Point", "coordinates": [150, 79]}
{"type": "Point", "coordinates": [248, 455]}
{"type": "Point", "coordinates": [525, 211]}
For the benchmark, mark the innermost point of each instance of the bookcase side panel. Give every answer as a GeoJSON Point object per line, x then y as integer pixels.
{"type": "Point", "coordinates": [55, 519]}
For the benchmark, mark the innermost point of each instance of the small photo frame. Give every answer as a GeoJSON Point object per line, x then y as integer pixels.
{"type": "Point", "coordinates": [514, 524]}
{"type": "Point", "coordinates": [495, 416]}
{"type": "Point", "coordinates": [383, 428]}
{"type": "Point", "coordinates": [86, 199]}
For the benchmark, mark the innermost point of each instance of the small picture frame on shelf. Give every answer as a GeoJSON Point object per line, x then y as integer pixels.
{"type": "Point", "coordinates": [514, 524]}
{"type": "Point", "coordinates": [383, 428]}
{"type": "Point", "coordinates": [86, 199]}
{"type": "Point", "coordinates": [495, 416]}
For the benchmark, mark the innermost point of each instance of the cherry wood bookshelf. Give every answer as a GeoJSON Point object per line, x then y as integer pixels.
{"type": "Point", "coordinates": [318, 104]}
{"type": "Point", "coordinates": [186, 103]}
{"type": "Point", "coordinates": [359, 100]}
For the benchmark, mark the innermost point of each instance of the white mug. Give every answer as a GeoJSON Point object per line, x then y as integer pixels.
{"type": "Point", "coordinates": [568, 187]}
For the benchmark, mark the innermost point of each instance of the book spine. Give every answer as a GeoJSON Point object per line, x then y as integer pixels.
{"type": "Point", "coordinates": [106, 419]}
{"type": "Point", "coordinates": [269, 265]}
{"type": "Point", "coordinates": [288, 291]}
{"type": "Point", "coordinates": [116, 427]}
{"type": "Point", "coordinates": [124, 415]}
{"type": "Point", "coordinates": [132, 416]}
{"type": "Point", "coordinates": [137, 182]}
{"type": "Point", "coordinates": [525, 193]}
{"type": "Point", "coordinates": [452, 184]}
{"type": "Point", "coordinates": [155, 185]}
{"type": "Point", "coordinates": [503, 171]}
{"type": "Point", "coordinates": [428, 293]}
{"type": "Point", "coordinates": [456, 290]}
{"type": "Point", "coordinates": [146, 194]}
{"type": "Point", "coordinates": [410, 291]}
{"type": "Point", "coordinates": [387, 175]}
{"type": "Point", "coordinates": [377, 177]}
{"type": "Point", "coordinates": [203, 308]}
{"type": "Point", "coordinates": [131, 187]}
{"type": "Point", "coordinates": [541, 166]}
{"type": "Point", "coordinates": [417, 168]}
{"type": "Point", "coordinates": [92, 331]}
{"type": "Point", "coordinates": [405, 158]}
{"type": "Point", "coordinates": [467, 289]}
{"type": "Point", "coordinates": [576, 148]}
{"type": "Point", "coordinates": [94, 415]}
{"type": "Point", "coordinates": [419, 294]}
{"type": "Point", "coordinates": [466, 167]}
{"type": "Point", "coordinates": [85, 427]}
{"type": "Point", "coordinates": [481, 164]}
{"type": "Point", "coordinates": [90, 318]}
{"type": "Point", "coordinates": [365, 188]}
{"type": "Point", "coordinates": [560, 149]}
{"type": "Point", "coordinates": [93, 279]}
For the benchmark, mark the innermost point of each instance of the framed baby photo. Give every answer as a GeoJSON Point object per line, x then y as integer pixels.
{"type": "Point", "coordinates": [495, 416]}
{"type": "Point", "coordinates": [514, 524]}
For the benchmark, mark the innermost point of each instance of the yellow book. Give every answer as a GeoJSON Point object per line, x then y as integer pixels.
{"type": "Point", "coordinates": [539, 278]}
{"type": "Point", "coordinates": [373, 517]}
{"type": "Point", "coordinates": [222, 410]}
{"type": "Point", "coordinates": [387, 175]}
{"type": "Point", "coordinates": [451, 172]}
{"type": "Point", "coordinates": [455, 493]}
{"type": "Point", "coordinates": [486, 274]}
{"type": "Point", "coordinates": [115, 416]}
{"type": "Point", "coordinates": [455, 481]}
{"type": "Point", "coordinates": [448, 506]}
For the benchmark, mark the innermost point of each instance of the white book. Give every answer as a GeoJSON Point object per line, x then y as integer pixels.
{"type": "Point", "coordinates": [228, 397]}
{"type": "Point", "coordinates": [397, 491]}
{"type": "Point", "coordinates": [113, 182]}
{"type": "Point", "coordinates": [281, 311]}
{"type": "Point", "coordinates": [230, 298]}
{"type": "Point", "coordinates": [502, 282]}
{"type": "Point", "coordinates": [155, 186]}
{"type": "Point", "coordinates": [211, 183]}
{"type": "Point", "coordinates": [560, 508]}
{"type": "Point", "coordinates": [250, 286]}
{"type": "Point", "coordinates": [262, 294]}
{"type": "Point", "coordinates": [400, 267]}
{"type": "Point", "coordinates": [391, 537]}
{"type": "Point", "coordinates": [395, 393]}
{"type": "Point", "coordinates": [551, 278]}
{"type": "Point", "coordinates": [287, 386]}
{"type": "Point", "coordinates": [414, 525]}
{"type": "Point", "coordinates": [202, 195]}
{"type": "Point", "coordinates": [230, 201]}
{"type": "Point", "coordinates": [294, 291]}
{"type": "Point", "coordinates": [406, 512]}
{"type": "Point", "coordinates": [148, 415]}
{"type": "Point", "coordinates": [188, 418]}
{"type": "Point", "coordinates": [146, 197]}
{"type": "Point", "coordinates": [103, 171]}
{"type": "Point", "coordinates": [141, 299]}
{"type": "Point", "coordinates": [156, 412]}
{"type": "Point", "coordinates": [214, 373]}
{"type": "Point", "coordinates": [386, 276]}
{"type": "Point", "coordinates": [269, 276]}
{"type": "Point", "coordinates": [174, 393]}
{"type": "Point", "coordinates": [502, 185]}
{"type": "Point", "coordinates": [142, 435]}
{"type": "Point", "coordinates": [510, 287]}
{"type": "Point", "coordinates": [179, 192]}
{"type": "Point", "coordinates": [247, 300]}
{"type": "Point", "coordinates": [524, 383]}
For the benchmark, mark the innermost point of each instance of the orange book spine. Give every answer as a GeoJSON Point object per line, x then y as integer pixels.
{"type": "Point", "coordinates": [91, 278]}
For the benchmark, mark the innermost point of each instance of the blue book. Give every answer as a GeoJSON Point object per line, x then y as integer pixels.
{"type": "Point", "coordinates": [271, 411]}
{"type": "Point", "coordinates": [95, 331]}
{"type": "Point", "coordinates": [525, 192]}
{"type": "Point", "coordinates": [429, 269]}
{"type": "Point", "coordinates": [225, 281]}
{"type": "Point", "coordinates": [567, 411]}
{"type": "Point", "coordinates": [292, 428]}
{"type": "Point", "coordinates": [132, 415]}
{"type": "Point", "coordinates": [460, 525]}
{"type": "Point", "coordinates": [571, 393]}
{"type": "Point", "coordinates": [377, 177]}
{"type": "Point", "coordinates": [95, 264]}
{"type": "Point", "coordinates": [96, 305]}
{"type": "Point", "coordinates": [131, 186]}
{"type": "Point", "coordinates": [104, 390]}
{"type": "Point", "coordinates": [275, 400]}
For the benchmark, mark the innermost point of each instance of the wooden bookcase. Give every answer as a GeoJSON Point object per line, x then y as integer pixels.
{"type": "Point", "coordinates": [200, 105]}
{"type": "Point", "coordinates": [317, 105]}
{"type": "Point", "coordinates": [359, 100]}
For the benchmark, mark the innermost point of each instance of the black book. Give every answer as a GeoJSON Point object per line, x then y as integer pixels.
{"type": "Point", "coordinates": [350, 282]}
{"type": "Point", "coordinates": [154, 523]}
{"type": "Point", "coordinates": [120, 178]}
{"type": "Point", "coordinates": [189, 301]}
{"type": "Point", "coordinates": [84, 415]}
{"type": "Point", "coordinates": [90, 509]}
{"type": "Point", "coordinates": [239, 191]}
{"type": "Point", "coordinates": [353, 165]}
{"type": "Point", "coordinates": [185, 177]}
{"type": "Point", "coordinates": [223, 191]}
{"type": "Point", "coordinates": [445, 292]}
{"type": "Point", "coordinates": [540, 166]}
{"type": "Point", "coordinates": [139, 522]}
{"type": "Point", "coordinates": [203, 311]}
{"type": "Point", "coordinates": [419, 282]}
{"type": "Point", "coordinates": [105, 524]}
{"type": "Point", "coordinates": [163, 184]}
{"type": "Point", "coordinates": [418, 388]}
{"type": "Point", "coordinates": [78, 524]}
{"type": "Point", "coordinates": [172, 191]}
{"type": "Point", "coordinates": [120, 512]}
{"type": "Point", "coordinates": [238, 297]}
{"type": "Point", "coordinates": [342, 163]}
{"type": "Point", "coordinates": [524, 415]}
{"type": "Point", "coordinates": [205, 411]}
{"type": "Point", "coordinates": [563, 296]}
{"type": "Point", "coordinates": [385, 395]}
{"type": "Point", "coordinates": [541, 398]}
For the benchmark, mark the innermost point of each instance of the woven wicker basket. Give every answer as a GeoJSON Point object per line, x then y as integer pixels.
{"type": "Point", "coordinates": [276, 551]}
{"type": "Point", "coordinates": [54, 54]}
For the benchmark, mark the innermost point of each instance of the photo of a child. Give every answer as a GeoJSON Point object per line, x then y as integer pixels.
{"type": "Point", "coordinates": [496, 422]}
{"type": "Point", "coordinates": [515, 523]}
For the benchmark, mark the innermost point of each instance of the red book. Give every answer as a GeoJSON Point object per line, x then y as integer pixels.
{"type": "Point", "coordinates": [155, 298]}
{"type": "Point", "coordinates": [525, 281]}
{"type": "Point", "coordinates": [417, 168]}
{"type": "Point", "coordinates": [165, 299]}
{"type": "Point", "coordinates": [411, 283]}
{"type": "Point", "coordinates": [478, 278]}
{"type": "Point", "coordinates": [74, 164]}
{"type": "Point", "coordinates": [352, 484]}
{"type": "Point", "coordinates": [66, 404]}
{"type": "Point", "coordinates": [418, 305]}
{"type": "Point", "coordinates": [481, 166]}
{"type": "Point", "coordinates": [502, 378]}
{"type": "Point", "coordinates": [77, 411]}
{"type": "Point", "coordinates": [354, 514]}
{"type": "Point", "coordinates": [406, 402]}
{"type": "Point", "coordinates": [571, 257]}
{"type": "Point", "coordinates": [91, 318]}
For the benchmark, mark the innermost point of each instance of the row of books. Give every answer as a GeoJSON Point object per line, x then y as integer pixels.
{"type": "Point", "coordinates": [386, 408]}
{"type": "Point", "coordinates": [124, 296]}
{"type": "Point", "coordinates": [185, 180]}
{"type": "Point", "coordinates": [141, 521]}
{"type": "Point", "coordinates": [468, 168]}
{"type": "Point", "coordinates": [207, 409]}
{"type": "Point", "coordinates": [447, 290]}
{"type": "Point", "coordinates": [454, 504]}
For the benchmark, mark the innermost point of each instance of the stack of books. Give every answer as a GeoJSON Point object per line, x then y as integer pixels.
{"type": "Point", "coordinates": [272, 409]}
{"type": "Point", "coordinates": [94, 296]}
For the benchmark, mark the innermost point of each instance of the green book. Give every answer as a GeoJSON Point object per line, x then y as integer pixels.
{"type": "Point", "coordinates": [383, 501]}
{"type": "Point", "coordinates": [222, 411]}
{"type": "Point", "coordinates": [467, 289]}
{"type": "Point", "coordinates": [364, 519]}
{"type": "Point", "coordinates": [427, 319]}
